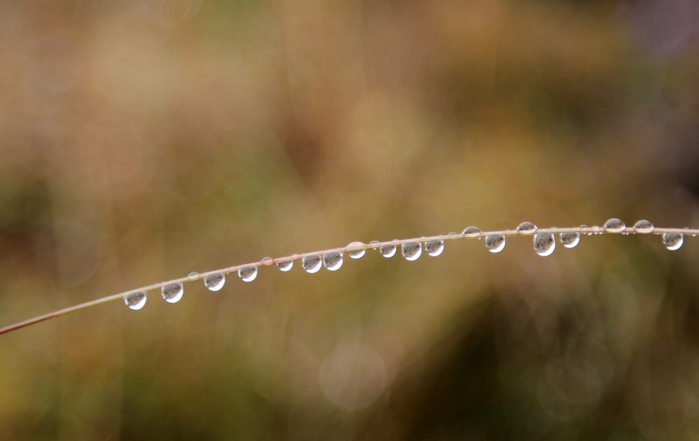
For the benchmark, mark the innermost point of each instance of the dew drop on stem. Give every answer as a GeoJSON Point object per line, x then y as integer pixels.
{"type": "Point", "coordinates": [673, 241]}
{"type": "Point", "coordinates": [434, 247]}
{"type": "Point", "coordinates": [495, 242]}
{"type": "Point", "coordinates": [411, 250]}
{"type": "Point", "coordinates": [472, 231]}
{"type": "Point", "coordinates": [388, 250]}
{"type": "Point", "coordinates": [285, 265]}
{"type": "Point", "coordinates": [526, 228]}
{"type": "Point", "coordinates": [135, 300]}
{"type": "Point", "coordinates": [643, 227]}
{"type": "Point", "coordinates": [570, 239]}
{"type": "Point", "coordinates": [355, 253]}
{"type": "Point", "coordinates": [248, 273]}
{"type": "Point", "coordinates": [312, 263]}
{"type": "Point", "coordinates": [214, 282]}
{"type": "Point", "coordinates": [544, 244]}
{"type": "Point", "coordinates": [172, 293]}
{"type": "Point", "coordinates": [333, 261]}
{"type": "Point", "coordinates": [614, 225]}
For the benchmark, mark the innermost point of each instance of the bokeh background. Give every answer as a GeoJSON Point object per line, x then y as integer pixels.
{"type": "Point", "coordinates": [141, 140]}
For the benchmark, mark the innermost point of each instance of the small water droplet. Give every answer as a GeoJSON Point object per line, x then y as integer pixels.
{"type": "Point", "coordinates": [453, 233]}
{"type": "Point", "coordinates": [312, 263]}
{"type": "Point", "coordinates": [356, 253]}
{"type": "Point", "coordinates": [434, 247]}
{"type": "Point", "coordinates": [570, 239]}
{"type": "Point", "coordinates": [411, 250]}
{"type": "Point", "coordinates": [643, 227]}
{"type": "Point", "coordinates": [544, 244]}
{"type": "Point", "coordinates": [333, 261]}
{"type": "Point", "coordinates": [267, 261]}
{"type": "Point", "coordinates": [673, 241]}
{"type": "Point", "coordinates": [471, 232]}
{"type": "Point", "coordinates": [374, 244]}
{"type": "Point", "coordinates": [214, 281]}
{"type": "Point", "coordinates": [135, 300]}
{"type": "Point", "coordinates": [285, 265]}
{"type": "Point", "coordinates": [247, 273]}
{"type": "Point", "coordinates": [172, 293]}
{"type": "Point", "coordinates": [388, 250]}
{"type": "Point", "coordinates": [495, 242]}
{"type": "Point", "coordinates": [614, 225]}
{"type": "Point", "coordinates": [527, 228]}
{"type": "Point", "coordinates": [192, 275]}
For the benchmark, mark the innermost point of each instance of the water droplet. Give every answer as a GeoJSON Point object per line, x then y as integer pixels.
{"type": "Point", "coordinates": [453, 233]}
{"type": "Point", "coordinates": [643, 227]}
{"type": "Point", "coordinates": [471, 232]}
{"type": "Point", "coordinates": [673, 241]}
{"type": "Point", "coordinates": [411, 250]}
{"type": "Point", "coordinates": [135, 300]}
{"type": "Point", "coordinates": [192, 275]}
{"type": "Point", "coordinates": [388, 250]}
{"type": "Point", "coordinates": [312, 263]}
{"type": "Point", "coordinates": [285, 265]}
{"type": "Point", "coordinates": [355, 253]}
{"type": "Point", "coordinates": [570, 239]}
{"type": "Point", "coordinates": [214, 281]}
{"type": "Point", "coordinates": [544, 244]}
{"type": "Point", "coordinates": [434, 247]}
{"type": "Point", "coordinates": [267, 261]}
{"type": "Point", "coordinates": [495, 243]}
{"type": "Point", "coordinates": [172, 293]}
{"type": "Point", "coordinates": [247, 273]}
{"type": "Point", "coordinates": [374, 244]}
{"type": "Point", "coordinates": [527, 228]}
{"type": "Point", "coordinates": [333, 261]}
{"type": "Point", "coordinates": [614, 225]}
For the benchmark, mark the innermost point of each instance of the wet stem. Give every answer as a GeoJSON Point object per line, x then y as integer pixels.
{"type": "Point", "coordinates": [544, 243]}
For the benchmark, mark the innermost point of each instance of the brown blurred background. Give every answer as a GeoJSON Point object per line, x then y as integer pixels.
{"type": "Point", "coordinates": [142, 140]}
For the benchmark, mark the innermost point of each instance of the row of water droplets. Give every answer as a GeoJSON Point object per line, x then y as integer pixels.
{"type": "Point", "coordinates": [544, 245]}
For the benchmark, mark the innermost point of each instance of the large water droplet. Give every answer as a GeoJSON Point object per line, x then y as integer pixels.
{"type": "Point", "coordinates": [355, 253]}
{"type": "Point", "coordinates": [135, 300]}
{"type": "Point", "coordinates": [247, 273]}
{"type": "Point", "coordinates": [388, 250]}
{"type": "Point", "coordinates": [614, 225]}
{"type": "Point", "coordinates": [411, 250]}
{"type": "Point", "coordinates": [527, 228]}
{"type": "Point", "coordinates": [214, 281]}
{"type": "Point", "coordinates": [472, 231]}
{"type": "Point", "coordinates": [285, 265]}
{"type": "Point", "coordinates": [333, 261]}
{"type": "Point", "coordinates": [312, 263]}
{"type": "Point", "coordinates": [570, 239]}
{"type": "Point", "coordinates": [434, 247]}
{"type": "Point", "coordinates": [544, 244]}
{"type": "Point", "coordinates": [172, 293]}
{"type": "Point", "coordinates": [643, 227]}
{"type": "Point", "coordinates": [673, 241]}
{"type": "Point", "coordinates": [495, 243]}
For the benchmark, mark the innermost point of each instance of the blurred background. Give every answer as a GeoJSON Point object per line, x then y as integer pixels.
{"type": "Point", "coordinates": [142, 140]}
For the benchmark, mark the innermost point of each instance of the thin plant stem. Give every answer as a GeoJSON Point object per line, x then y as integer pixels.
{"type": "Point", "coordinates": [294, 257]}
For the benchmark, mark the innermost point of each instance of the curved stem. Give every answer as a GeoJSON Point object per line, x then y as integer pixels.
{"type": "Point", "coordinates": [294, 257]}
